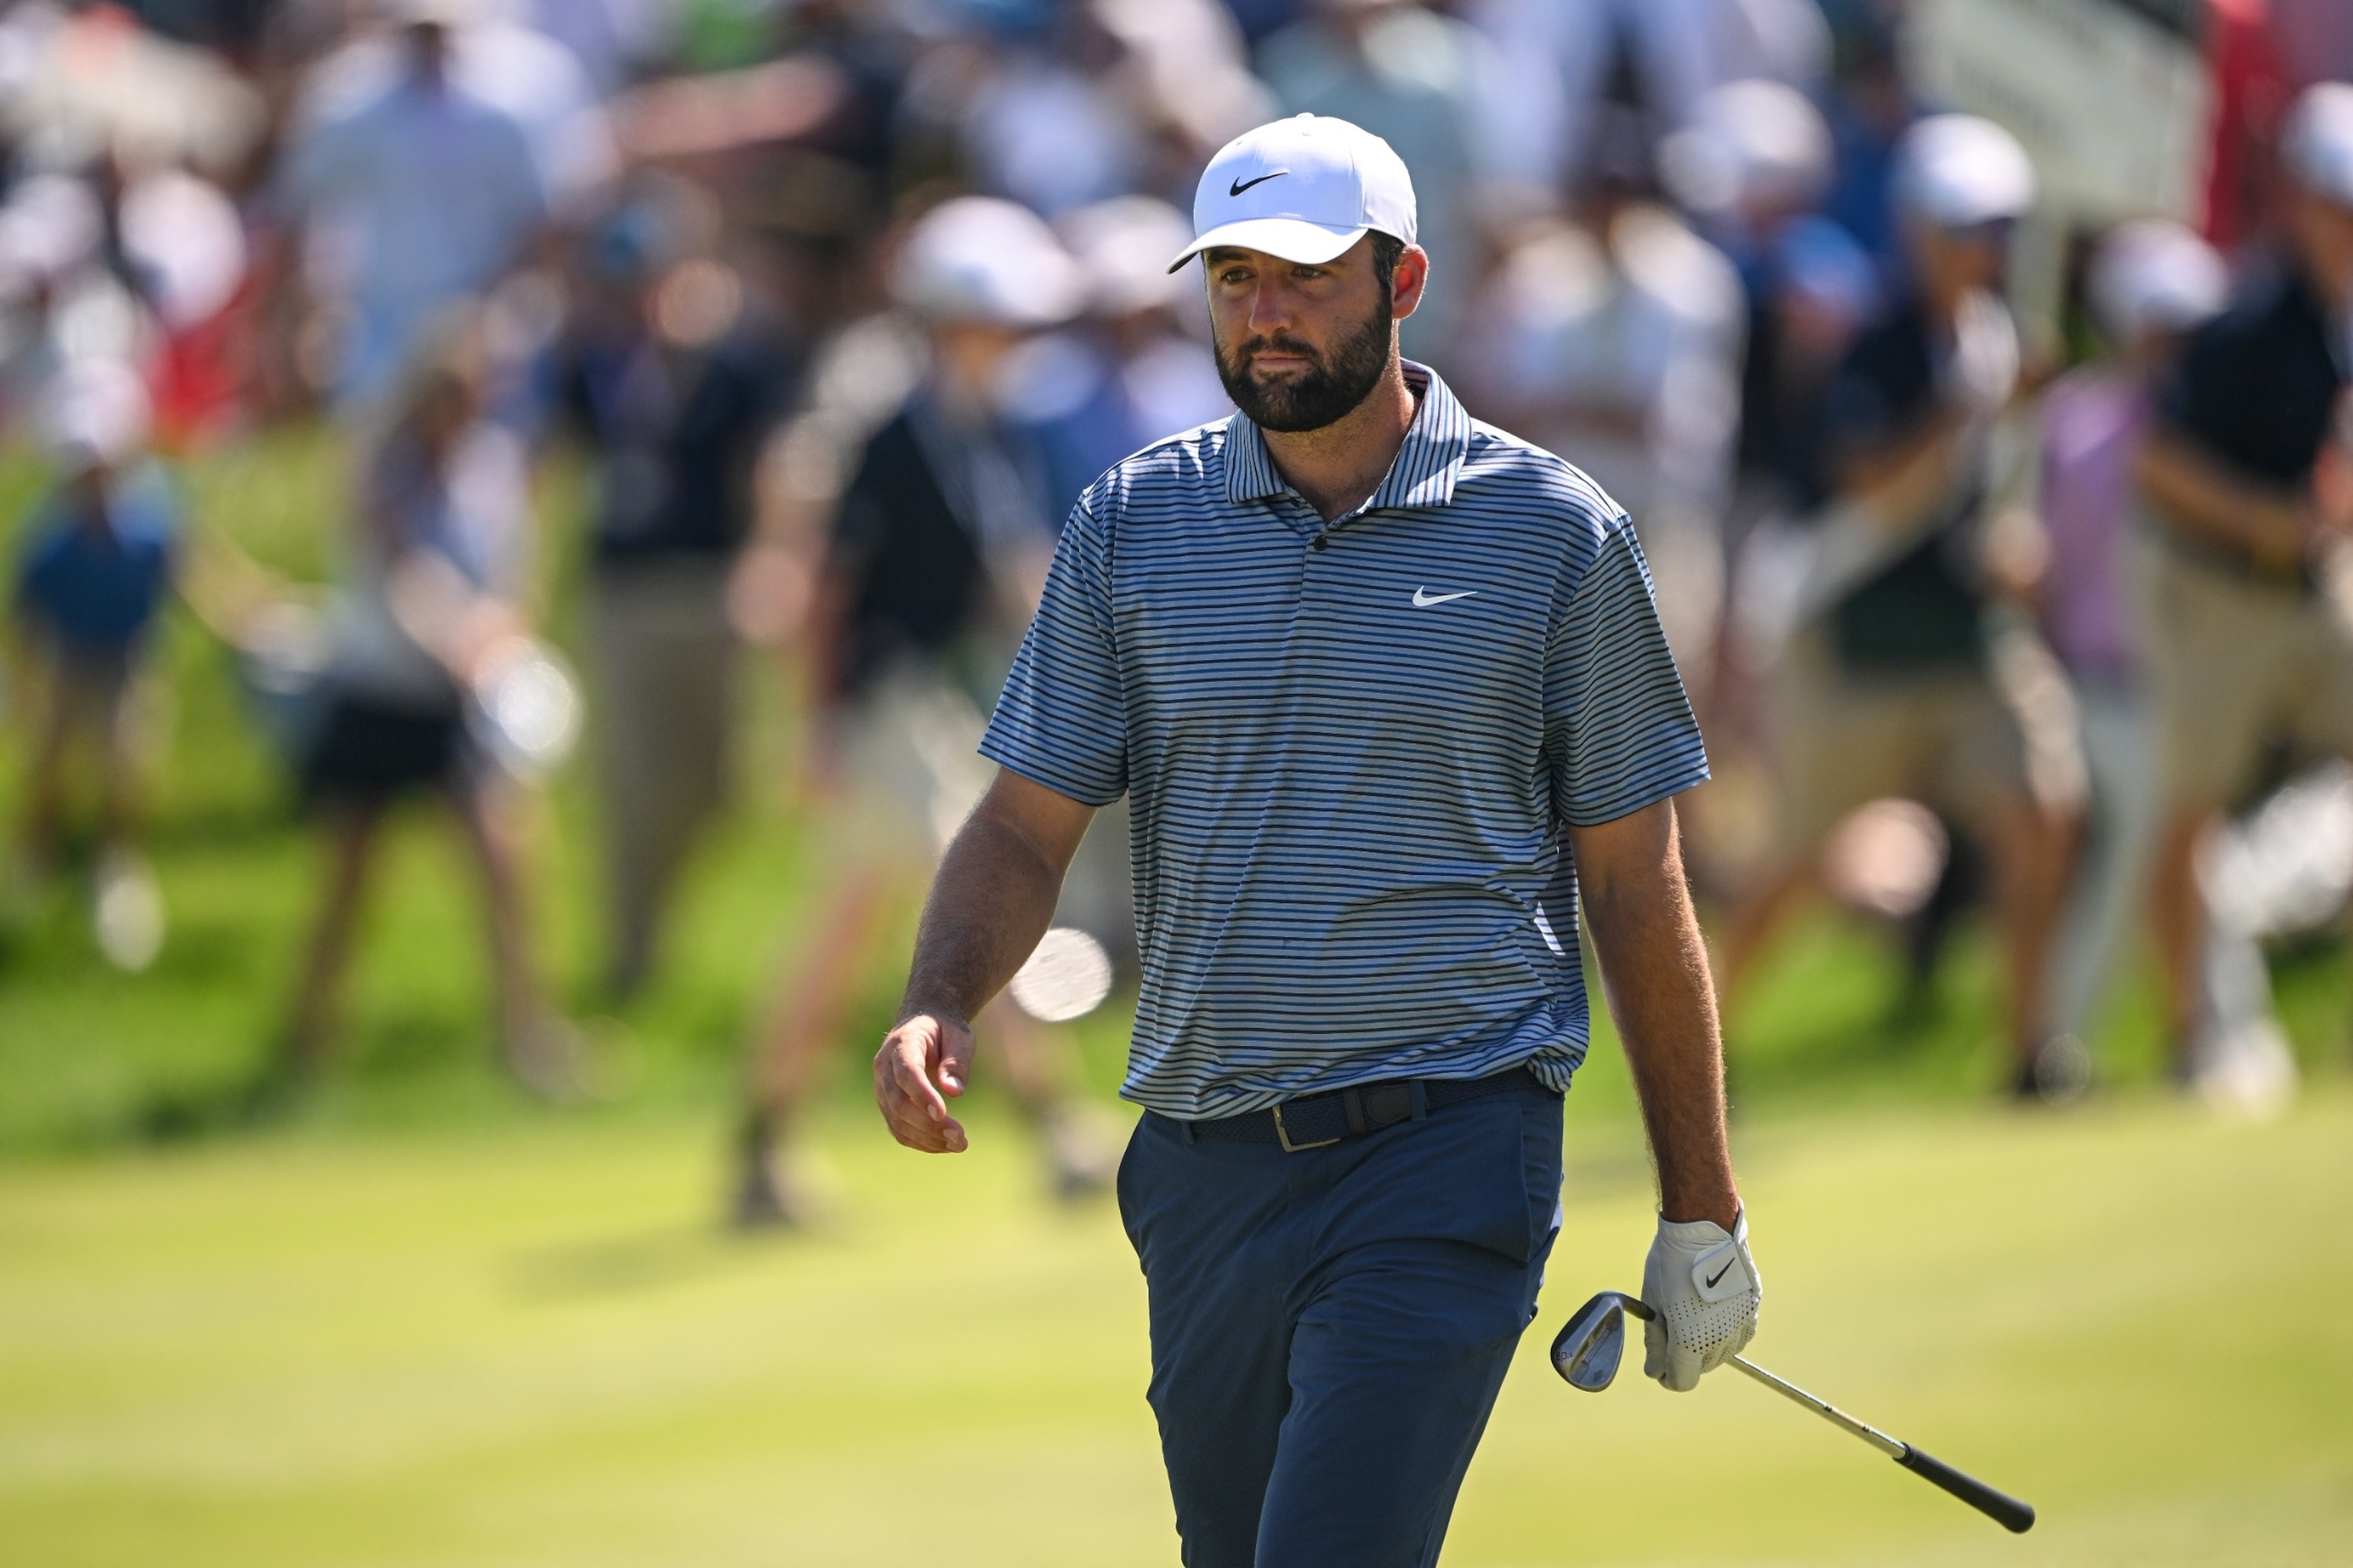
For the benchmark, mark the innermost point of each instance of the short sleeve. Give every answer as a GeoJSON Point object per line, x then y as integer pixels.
{"type": "Point", "coordinates": [1061, 719]}
{"type": "Point", "coordinates": [1619, 731]}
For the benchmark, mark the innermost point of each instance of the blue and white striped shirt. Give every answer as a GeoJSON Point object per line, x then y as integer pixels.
{"type": "Point", "coordinates": [1350, 750]}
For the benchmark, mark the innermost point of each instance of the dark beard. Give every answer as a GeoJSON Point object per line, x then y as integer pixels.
{"type": "Point", "coordinates": [1327, 393]}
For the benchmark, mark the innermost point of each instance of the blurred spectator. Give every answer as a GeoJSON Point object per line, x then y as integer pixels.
{"type": "Point", "coordinates": [1428, 86]}
{"type": "Point", "coordinates": [939, 548]}
{"type": "Point", "coordinates": [1028, 108]}
{"type": "Point", "coordinates": [1130, 374]}
{"type": "Point", "coordinates": [1749, 170]}
{"type": "Point", "coordinates": [80, 85]}
{"type": "Point", "coordinates": [1888, 690]}
{"type": "Point", "coordinates": [1616, 343]}
{"type": "Point", "coordinates": [1564, 61]}
{"type": "Point", "coordinates": [673, 377]}
{"type": "Point", "coordinates": [186, 243]}
{"type": "Point", "coordinates": [1869, 109]}
{"type": "Point", "coordinates": [421, 171]}
{"type": "Point", "coordinates": [427, 613]}
{"type": "Point", "coordinates": [97, 563]}
{"type": "Point", "coordinates": [2149, 283]}
{"type": "Point", "coordinates": [2250, 506]}
{"type": "Point", "coordinates": [1059, 103]}
{"type": "Point", "coordinates": [611, 40]}
{"type": "Point", "coordinates": [79, 295]}
{"type": "Point", "coordinates": [2260, 54]}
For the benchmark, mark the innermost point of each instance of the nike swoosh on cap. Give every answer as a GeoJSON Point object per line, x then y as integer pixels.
{"type": "Point", "coordinates": [1423, 598]}
{"type": "Point", "coordinates": [1240, 186]}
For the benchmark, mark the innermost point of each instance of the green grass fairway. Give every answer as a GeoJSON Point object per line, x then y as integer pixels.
{"type": "Point", "coordinates": [422, 1324]}
{"type": "Point", "coordinates": [519, 1345]}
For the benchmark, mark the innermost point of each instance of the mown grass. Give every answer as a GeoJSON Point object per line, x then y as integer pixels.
{"type": "Point", "coordinates": [423, 1321]}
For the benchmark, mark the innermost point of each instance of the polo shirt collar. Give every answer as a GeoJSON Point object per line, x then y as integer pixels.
{"type": "Point", "coordinates": [1422, 474]}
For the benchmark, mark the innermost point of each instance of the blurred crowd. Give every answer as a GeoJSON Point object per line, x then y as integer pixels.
{"type": "Point", "coordinates": [840, 303]}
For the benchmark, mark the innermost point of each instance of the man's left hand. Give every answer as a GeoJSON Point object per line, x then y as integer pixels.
{"type": "Point", "coordinates": [1703, 1287]}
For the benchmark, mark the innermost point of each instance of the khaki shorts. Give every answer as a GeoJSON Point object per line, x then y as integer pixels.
{"type": "Point", "coordinates": [1942, 737]}
{"type": "Point", "coordinates": [2238, 663]}
{"type": "Point", "coordinates": [907, 758]}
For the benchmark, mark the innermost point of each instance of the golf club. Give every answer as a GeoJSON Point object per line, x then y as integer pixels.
{"type": "Point", "coordinates": [1587, 1351]}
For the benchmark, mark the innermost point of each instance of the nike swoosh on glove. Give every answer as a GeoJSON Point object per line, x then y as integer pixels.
{"type": "Point", "coordinates": [1703, 1286]}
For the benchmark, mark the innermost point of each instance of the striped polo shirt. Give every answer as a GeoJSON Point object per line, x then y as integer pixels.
{"type": "Point", "coordinates": [1350, 750]}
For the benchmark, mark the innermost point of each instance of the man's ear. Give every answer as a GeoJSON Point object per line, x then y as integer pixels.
{"type": "Point", "coordinates": [1408, 281]}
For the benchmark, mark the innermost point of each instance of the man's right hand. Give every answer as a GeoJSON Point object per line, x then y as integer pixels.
{"type": "Point", "coordinates": [924, 1064]}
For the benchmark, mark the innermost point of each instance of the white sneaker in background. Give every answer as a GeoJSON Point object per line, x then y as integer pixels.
{"type": "Point", "coordinates": [127, 911]}
{"type": "Point", "coordinates": [2247, 1070]}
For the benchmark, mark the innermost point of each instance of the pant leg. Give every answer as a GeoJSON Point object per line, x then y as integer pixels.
{"type": "Point", "coordinates": [1329, 1329]}
{"type": "Point", "coordinates": [1207, 1222]}
{"type": "Point", "coordinates": [664, 661]}
{"type": "Point", "coordinates": [1402, 1343]}
{"type": "Point", "coordinates": [1393, 1373]}
{"type": "Point", "coordinates": [2120, 748]}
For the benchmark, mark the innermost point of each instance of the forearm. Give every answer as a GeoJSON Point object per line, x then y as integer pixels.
{"type": "Point", "coordinates": [1895, 483]}
{"type": "Point", "coordinates": [991, 899]}
{"type": "Point", "coordinates": [1654, 970]}
{"type": "Point", "coordinates": [2205, 501]}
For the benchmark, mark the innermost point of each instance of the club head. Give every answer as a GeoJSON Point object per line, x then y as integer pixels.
{"type": "Point", "coordinates": [1587, 1351]}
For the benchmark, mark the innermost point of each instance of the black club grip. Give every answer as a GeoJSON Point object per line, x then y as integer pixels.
{"type": "Point", "coordinates": [2012, 1515]}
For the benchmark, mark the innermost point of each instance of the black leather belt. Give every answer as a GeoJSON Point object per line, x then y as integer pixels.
{"type": "Point", "coordinates": [1313, 1121]}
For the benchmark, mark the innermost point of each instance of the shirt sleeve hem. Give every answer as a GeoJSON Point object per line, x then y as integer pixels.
{"type": "Point", "coordinates": [1627, 805]}
{"type": "Point", "coordinates": [1045, 778]}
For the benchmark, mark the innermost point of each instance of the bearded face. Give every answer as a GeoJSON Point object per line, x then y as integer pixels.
{"type": "Point", "coordinates": [1336, 378]}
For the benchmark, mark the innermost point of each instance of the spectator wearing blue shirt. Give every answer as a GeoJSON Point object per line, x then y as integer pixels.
{"type": "Point", "coordinates": [96, 567]}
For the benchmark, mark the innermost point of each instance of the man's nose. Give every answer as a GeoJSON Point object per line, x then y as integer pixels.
{"type": "Point", "coordinates": [1270, 306]}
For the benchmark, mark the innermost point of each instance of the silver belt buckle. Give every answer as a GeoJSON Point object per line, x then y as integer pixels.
{"type": "Point", "coordinates": [1282, 1136]}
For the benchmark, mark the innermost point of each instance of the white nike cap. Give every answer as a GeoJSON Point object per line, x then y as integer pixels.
{"type": "Point", "coordinates": [1956, 171]}
{"type": "Point", "coordinates": [1304, 189]}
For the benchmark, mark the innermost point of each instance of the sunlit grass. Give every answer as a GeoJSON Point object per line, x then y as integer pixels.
{"type": "Point", "coordinates": [425, 1321]}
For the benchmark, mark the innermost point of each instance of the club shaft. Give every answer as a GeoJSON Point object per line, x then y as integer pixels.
{"type": "Point", "coordinates": [2006, 1511]}
{"type": "Point", "coordinates": [1825, 1409]}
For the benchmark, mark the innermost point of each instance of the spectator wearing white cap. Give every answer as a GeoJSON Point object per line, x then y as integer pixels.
{"type": "Point", "coordinates": [2149, 283]}
{"type": "Point", "coordinates": [939, 544]}
{"type": "Point", "coordinates": [1888, 689]}
{"type": "Point", "coordinates": [1135, 368]}
{"type": "Point", "coordinates": [2249, 505]}
{"type": "Point", "coordinates": [95, 568]}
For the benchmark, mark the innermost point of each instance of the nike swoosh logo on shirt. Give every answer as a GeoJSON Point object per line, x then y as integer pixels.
{"type": "Point", "coordinates": [1423, 598]}
{"type": "Point", "coordinates": [1719, 1274]}
{"type": "Point", "coordinates": [1240, 186]}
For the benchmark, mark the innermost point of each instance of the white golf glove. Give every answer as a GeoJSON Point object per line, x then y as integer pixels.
{"type": "Point", "coordinates": [1703, 1286]}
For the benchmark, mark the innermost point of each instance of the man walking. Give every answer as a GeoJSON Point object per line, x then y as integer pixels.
{"type": "Point", "coordinates": [1382, 685]}
{"type": "Point", "coordinates": [2249, 506]}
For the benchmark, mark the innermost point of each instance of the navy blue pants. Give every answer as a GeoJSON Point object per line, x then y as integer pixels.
{"type": "Point", "coordinates": [1329, 1329]}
